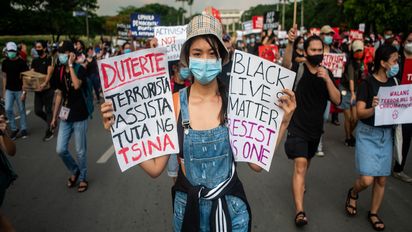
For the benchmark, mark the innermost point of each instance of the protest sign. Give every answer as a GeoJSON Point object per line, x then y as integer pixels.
{"type": "Point", "coordinates": [172, 38]}
{"type": "Point", "coordinates": [269, 52]}
{"type": "Point", "coordinates": [361, 27]}
{"type": "Point", "coordinates": [254, 117]}
{"type": "Point", "coordinates": [335, 62]}
{"type": "Point", "coordinates": [407, 72]}
{"type": "Point", "coordinates": [355, 34]}
{"type": "Point", "coordinates": [271, 20]}
{"type": "Point", "coordinates": [257, 22]}
{"type": "Point", "coordinates": [138, 86]}
{"type": "Point", "coordinates": [395, 105]}
{"type": "Point", "coordinates": [142, 25]}
{"type": "Point", "coordinates": [123, 31]}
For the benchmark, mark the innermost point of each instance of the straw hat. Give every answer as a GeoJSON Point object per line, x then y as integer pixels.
{"type": "Point", "coordinates": [204, 25]}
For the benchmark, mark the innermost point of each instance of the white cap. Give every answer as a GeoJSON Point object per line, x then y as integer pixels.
{"type": "Point", "coordinates": [11, 46]}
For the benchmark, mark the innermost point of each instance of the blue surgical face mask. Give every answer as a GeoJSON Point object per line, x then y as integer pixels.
{"type": "Point", "coordinates": [184, 73]}
{"type": "Point", "coordinates": [205, 70]}
{"type": "Point", "coordinates": [128, 50]}
{"type": "Point", "coordinates": [393, 71]}
{"type": "Point", "coordinates": [63, 58]}
{"type": "Point", "coordinates": [11, 55]}
{"type": "Point", "coordinates": [328, 40]}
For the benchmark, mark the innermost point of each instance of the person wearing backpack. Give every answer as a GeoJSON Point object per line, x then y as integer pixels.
{"type": "Point", "coordinates": [72, 109]}
{"type": "Point", "coordinates": [313, 87]}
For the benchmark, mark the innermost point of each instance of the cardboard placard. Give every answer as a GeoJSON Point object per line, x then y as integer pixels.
{"type": "Point", "coordinates": [254, 117]}
{"type": "Point", "coordinates": [138, 86]}
{"type": "Point", "coordinates": [171, 38]}
{"type": "Point", "coordinates": [395, 105]}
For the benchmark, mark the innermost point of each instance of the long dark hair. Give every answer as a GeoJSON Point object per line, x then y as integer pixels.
{"type": "Point", "coordinates": [218, 49]}
{"type": "Point", "coordinates": [384, 52]}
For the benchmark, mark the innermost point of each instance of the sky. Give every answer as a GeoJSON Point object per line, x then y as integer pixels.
{"type": "Point", "coordinates": [110, 7]}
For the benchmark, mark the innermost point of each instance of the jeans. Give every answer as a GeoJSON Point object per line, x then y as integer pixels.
{"type": "Point", "coordinates": [12, 96]}
{"type": "Point", "coordinates": [44, 99]}
{"type": "Point", "coordinates": [66, 129]}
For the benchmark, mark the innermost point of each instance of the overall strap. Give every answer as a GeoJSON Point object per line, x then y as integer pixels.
{"type": "Point", "coordinates": [184, 110]}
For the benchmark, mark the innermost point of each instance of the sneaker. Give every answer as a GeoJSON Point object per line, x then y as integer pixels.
{"type": "Point", "coordinates": [320, 154]}
{"type": "Point", "coordinates": [49, 135]}
{"type": "Point", "coordinates": [347, 142]}
{"type": "Point", "coordinates": [23, 134]}
{"type": "Point", "coordinates": [13, 135]}
{"type": "Point", "coordinates": [402, 176]}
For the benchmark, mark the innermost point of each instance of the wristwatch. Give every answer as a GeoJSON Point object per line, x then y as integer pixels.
{"type": "Point", "coordinates": [70, 65]}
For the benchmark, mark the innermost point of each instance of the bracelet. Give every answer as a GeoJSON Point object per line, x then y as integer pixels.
{"type": "Point", "coordinates": [71, 65]}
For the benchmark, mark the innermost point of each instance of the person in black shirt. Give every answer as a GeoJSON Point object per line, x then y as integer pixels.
{"type": "Point", "coordinates": [13, 66]}
{"type": "Point", "coordinates": [93, 72]}
{"type": "Point", "coordinates": [374, 144]}
{"type": "Point", "coordinates": [71, 107]}
{"type": "Point", "coordinates": [314, 88]}
{"type": "Point", "coordinates": [43, 97]}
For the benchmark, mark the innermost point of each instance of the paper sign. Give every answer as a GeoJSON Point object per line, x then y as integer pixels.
{"type": "Point", "coordinates": [271, 20]}
{"type": "Point", "coordinates": [268, 52]}
{"type": "Point", "coordinates": [362, 27]}
{"type": "Point", "coordinates": [335, 62]}
{"type": "Point", "coordinates": [407, 72]}
{"type": "Point", "coordinates": [395, 105]}
{"type": "Point", "coordinates": [142, 25]}
{"type": "Point", "coordinates": [123, 31]}
{"type": "Point", "coordinates": [254, 118]}
{"type": "Point", "coordinates": [172, 38]}
{"type": "Point", "coordinates": [257, 22]}
{"type": "Point", "coordinates": [138, 86]}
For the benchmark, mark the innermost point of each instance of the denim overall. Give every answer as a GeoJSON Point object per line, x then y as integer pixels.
{"type": "Point", "coordinates": [208, 162]}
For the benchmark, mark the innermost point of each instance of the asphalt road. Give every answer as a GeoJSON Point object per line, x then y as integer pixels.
{"type": "Point", "coordinates": [39, 200]}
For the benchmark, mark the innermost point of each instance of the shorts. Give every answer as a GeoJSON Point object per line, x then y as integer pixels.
{"type": "Point", "coordinates": [346, 97]}
{"type": "Point", "coordinates": [296, 147]}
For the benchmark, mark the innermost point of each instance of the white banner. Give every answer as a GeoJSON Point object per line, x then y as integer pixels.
{"type": "Point", "coordinates": [254, 118]}
{"type": "Point", "coordinates": [138, 86]}
{"type": "Point", "coordinates": [395, 105]}
{"type": "Point", "coordinates": [172, 38]}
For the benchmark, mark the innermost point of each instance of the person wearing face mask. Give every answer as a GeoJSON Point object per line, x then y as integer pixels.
{"type": "Point", "coordinates": [126, 48]}
{"type": "Point", "coordinates": [43, 97]}
{"type": "Point", "coordinates": [298, 55]}
{"type": "Point", "coordinates": [71, 110]}
{"type": "Point", "coordinates": [314, 87]}
{"type": "Point", "coordinates": [348, 85]}
{"type": "Point", "coordinates": [93, 72]}
{"type": "Point", "coordinates": [374, 144]}
{"type": "Point", "coordinates": [201, 113]}
{"type": "Point", "coordinates": [404, 75]}
{"type": "Point", "coordinates": [13, 91]}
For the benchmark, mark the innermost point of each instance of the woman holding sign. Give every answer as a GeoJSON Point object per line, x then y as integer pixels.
{"type": "Point", "coordinates": [207, 194]}
{"type": "Point", "coordinates": [373, 143]}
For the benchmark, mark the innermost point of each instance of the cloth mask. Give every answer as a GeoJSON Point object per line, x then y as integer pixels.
{"type": "Point", "coordinates": [315, 59]}
{"type": "Point", "coordinates": [300, 46]}
{"type": "Point", "coordinates": [40, 52]}
{"type": "Point", "coordinates": [205, 70]}
{"type": "Point", "coordinates": [128, 50]}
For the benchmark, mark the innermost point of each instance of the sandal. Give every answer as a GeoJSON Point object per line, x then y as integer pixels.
{"type": "Point", "coordinates": [348, 205]}
{"type": "Point", "coordinates": [82, 188]}
{"type": "Point", "coordinates": [300, 219]}
{"type": "Point", "coordinates": [376, 223]}
{"type": "Point", "coordinates": [71, 183]}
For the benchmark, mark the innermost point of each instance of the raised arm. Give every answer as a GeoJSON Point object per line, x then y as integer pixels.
{"type": "Point", "coordinates": [287, 58]}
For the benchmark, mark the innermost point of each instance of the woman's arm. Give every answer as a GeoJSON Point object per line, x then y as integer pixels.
{"type": "Point", "coordinates": [363, 112]}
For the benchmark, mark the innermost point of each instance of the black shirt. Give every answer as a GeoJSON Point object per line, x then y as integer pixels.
{"type": "Point", "coordinates": [13, 68]}
{"type": "Point", "coordinates": [353, 71]}
{"type": "Point", "coordinates": [41, 64]}
{"type": "Point", "coordinates": [311, 98]}
{"type": "Point", "coordinates": [71, 98]}
{"type": "Point", "coordinates": [367, 90]}
{"type": "Point", "coordinates": [224, 76]}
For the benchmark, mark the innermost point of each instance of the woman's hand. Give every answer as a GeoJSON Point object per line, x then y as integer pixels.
{"type": "Point", "coordinates": [107, 114]}
{"type": "Point", "coordinates": [375, 101]}
{"type": "Point", "coordinates": [287, 103]}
